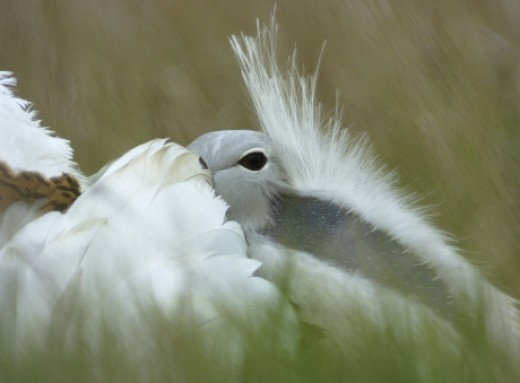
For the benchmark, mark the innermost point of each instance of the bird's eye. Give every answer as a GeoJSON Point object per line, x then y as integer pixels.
{"type": "Point", "coordinates": [253, 161]}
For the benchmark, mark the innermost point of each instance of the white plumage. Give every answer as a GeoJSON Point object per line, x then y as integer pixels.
{"type": "Point", "coordinates": [148, 235]}
{"type": "Point", "coordinates": [24, 143]}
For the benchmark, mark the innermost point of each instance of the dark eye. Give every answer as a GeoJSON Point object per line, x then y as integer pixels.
{"type": "Point", "coordinates": [253, 161]}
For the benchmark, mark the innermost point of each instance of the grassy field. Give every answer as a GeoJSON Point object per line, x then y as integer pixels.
{"type": "Point", "coordinates": [435, 85]}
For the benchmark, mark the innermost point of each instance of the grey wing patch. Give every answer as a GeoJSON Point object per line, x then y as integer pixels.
{"type": "Point", "coordinates": [340, 237]}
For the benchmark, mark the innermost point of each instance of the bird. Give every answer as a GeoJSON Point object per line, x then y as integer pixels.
{"type": "Point", "coordinates": [313, 199]}
{"type": "Point", "coordinates": [285, 254]}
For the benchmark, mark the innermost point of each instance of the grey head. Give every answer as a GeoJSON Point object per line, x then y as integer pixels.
{"type": "Point", "coordinates": [246, 173]}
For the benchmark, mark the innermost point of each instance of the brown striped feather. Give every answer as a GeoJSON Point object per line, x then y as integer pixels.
{"type": "Point", "coordinates": [58, 192]}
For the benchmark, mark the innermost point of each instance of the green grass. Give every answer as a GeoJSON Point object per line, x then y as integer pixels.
{"type": "Point", "coordinates": [179, 348]}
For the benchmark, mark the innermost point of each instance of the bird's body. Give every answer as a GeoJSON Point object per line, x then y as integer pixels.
{"type": "Point", "coordinates": [309, 221]}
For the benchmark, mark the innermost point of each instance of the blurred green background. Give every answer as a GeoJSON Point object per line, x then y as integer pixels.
{"type": "Point", "coordinates": [434, 84]}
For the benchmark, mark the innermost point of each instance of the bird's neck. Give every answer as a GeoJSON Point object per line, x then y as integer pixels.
{"type": "Point", "coordinates": [341, 238]}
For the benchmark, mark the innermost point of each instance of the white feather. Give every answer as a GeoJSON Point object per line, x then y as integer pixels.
{"type": "Point", "coordinates": [24, 143]}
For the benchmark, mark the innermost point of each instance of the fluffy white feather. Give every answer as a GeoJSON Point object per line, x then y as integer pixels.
{"type": "Point", "coordinates": [24, 143]}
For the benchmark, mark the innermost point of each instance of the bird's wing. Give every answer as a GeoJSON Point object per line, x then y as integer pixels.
{"type": "Point", "coordinates": [147, 242]}
{"type": "Point", "coordinates": [131, 244]}
{"type": "Point", "coordinates": [323, 161]}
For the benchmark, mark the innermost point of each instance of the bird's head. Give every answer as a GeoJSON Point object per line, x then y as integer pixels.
{"type": "Point", "coordinates": [246, 172]}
